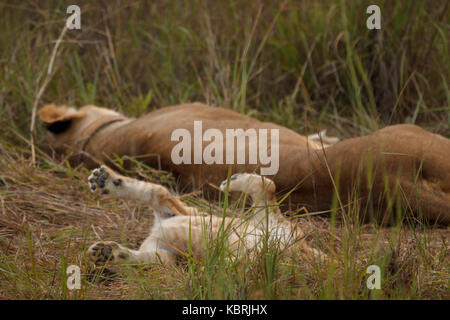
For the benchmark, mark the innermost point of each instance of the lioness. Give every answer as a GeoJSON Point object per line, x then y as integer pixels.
{"type": "Point", "coordinates": [398, 162]}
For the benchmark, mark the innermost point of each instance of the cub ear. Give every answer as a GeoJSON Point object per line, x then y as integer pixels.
{"type": "Point", "coordinates": [59, 119]}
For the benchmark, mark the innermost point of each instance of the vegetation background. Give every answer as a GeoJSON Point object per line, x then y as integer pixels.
{"type": "Point", "coordinates": [307, 65]}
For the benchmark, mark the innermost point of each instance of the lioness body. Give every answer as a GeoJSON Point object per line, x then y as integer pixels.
{"type": "Point", "coordinates": [402, 160]}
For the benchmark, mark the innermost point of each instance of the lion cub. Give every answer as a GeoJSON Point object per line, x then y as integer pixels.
{"type": "Point", "coordinates": [179, 229]}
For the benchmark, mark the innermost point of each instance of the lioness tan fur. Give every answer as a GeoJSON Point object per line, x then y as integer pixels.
{"type": "Point", "coordinates": [402, 162]}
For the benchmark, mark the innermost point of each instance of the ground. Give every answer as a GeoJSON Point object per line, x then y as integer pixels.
{"type": "Point", "coordinates": [49, 218]}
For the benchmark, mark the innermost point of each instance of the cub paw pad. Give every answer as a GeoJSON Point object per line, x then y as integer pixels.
{"type": "Point", "coordinates": [103, 179]}
{"type": "Point", "coordinates": [101, 252]}
{"type": "Point", "coordinates": [223, 185]}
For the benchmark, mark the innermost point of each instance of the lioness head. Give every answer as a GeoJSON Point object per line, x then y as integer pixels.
{"type": "Point", "coordinates": [67, 126]}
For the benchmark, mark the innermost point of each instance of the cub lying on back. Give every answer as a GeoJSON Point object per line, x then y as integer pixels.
{"type": "Point", "coordinates": [178, 227]}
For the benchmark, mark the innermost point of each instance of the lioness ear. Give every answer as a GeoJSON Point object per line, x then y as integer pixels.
{"type": "Point", "coordinates": [58, 119]}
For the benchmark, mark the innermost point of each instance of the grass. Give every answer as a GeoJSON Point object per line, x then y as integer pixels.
{"type": "Point", "coordinates": [306, 65]}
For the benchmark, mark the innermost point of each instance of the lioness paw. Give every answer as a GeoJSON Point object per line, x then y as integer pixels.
{"type": "Point", "coordinates": [103, 179]}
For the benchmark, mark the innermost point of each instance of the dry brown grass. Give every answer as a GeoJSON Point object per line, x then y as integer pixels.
{"type": "Point", "coordinates": [48, 218]}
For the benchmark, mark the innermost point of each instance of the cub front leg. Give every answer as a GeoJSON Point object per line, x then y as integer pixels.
{"type": "Point", "coordinates": [106, 181]}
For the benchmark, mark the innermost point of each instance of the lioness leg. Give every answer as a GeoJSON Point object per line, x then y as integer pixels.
{"type": "Point", "coordinates": [428, 188]}
{"type": "Point", "coordinates": [370, 167]}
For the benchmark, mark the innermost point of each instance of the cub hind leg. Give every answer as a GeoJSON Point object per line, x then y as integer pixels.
{"type": "Point", "coordinates": [261, 190]}
{"type": "Point", "coordinates": [113, 253]}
